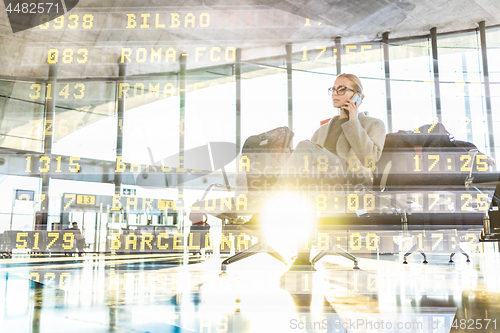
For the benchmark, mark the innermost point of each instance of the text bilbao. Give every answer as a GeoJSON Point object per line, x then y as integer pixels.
{"type": "Point", "coordinates": [260, 19]}
{"type": "Point", "coordinates": [127, 21]}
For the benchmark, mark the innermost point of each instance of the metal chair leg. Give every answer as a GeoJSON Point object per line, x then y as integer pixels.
{"type": "Point", "coordinates": [410, 251]}
{"type": "Point", "coordinates": [345, 254]}
{"type": "Point", "coordinates": [423, 255]}
{"type": "Point", "coordinates": [337, 250]}
{"type": "Point", "coordinates": [458, 249]}
{"type": "Point", "coordinates": [254, 249]}
{"type": "Point", "coordinates": [320, 255]}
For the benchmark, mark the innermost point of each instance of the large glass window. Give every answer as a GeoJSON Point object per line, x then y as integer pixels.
{"type": "Point", "coordinates": [57, 190]}
{"type": "Point", "coordinates": [210, 109]}
{"type": "Point", "coordinates": [412, 87]}
{"type": "Point", "coordinates": [210, 117]}
{"type": "Point", "coordinates": [367, 62]}
{"type": "Point", "coordinates": [311, 102]}
{"type": "Point", "coordinates": [495, 106]}
{"type": "Point", "coordinates": [493, 43]}
{"type": "Point", "coordinates": [85, 121]}
{"type": "Point", "coordinates": [17, 209]}
{"type": "Point", "coordinates": [314, 72]}
{"type": "Point", "coordinates": [21, 115]}
{"type": "Point", "coordinates": [462, 99]}
{"type": "Point", "coordinates": [264, 98]}
{"type": "Point", "coordinates": [151, 121]}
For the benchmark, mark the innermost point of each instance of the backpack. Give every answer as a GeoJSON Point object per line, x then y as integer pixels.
{"type": "Point", "coordinates": [278, 139]}
{"type": "Point", "coordinates": [265, 154]}
{"type": "Point", "coordinates": [434, 135]}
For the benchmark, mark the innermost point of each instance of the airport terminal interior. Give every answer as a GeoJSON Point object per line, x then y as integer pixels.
{"type": "Point", "coordinates": [161, 169]}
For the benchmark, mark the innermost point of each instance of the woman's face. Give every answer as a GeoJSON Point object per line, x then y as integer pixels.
{"type": "Point", "coordinates": [341, 100]}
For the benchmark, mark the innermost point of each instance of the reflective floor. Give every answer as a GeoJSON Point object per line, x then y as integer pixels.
{"type": "Point", "coordinates": [176, 293]}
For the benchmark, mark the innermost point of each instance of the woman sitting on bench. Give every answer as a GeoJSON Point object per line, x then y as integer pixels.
{"type": "Point", "coordinates": [354, 138]}
{"type": "Point", "coordinates": [350, 132]}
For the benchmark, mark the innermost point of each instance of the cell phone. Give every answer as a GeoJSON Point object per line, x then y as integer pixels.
{"type": "Point", "coordinates": [355, 98]}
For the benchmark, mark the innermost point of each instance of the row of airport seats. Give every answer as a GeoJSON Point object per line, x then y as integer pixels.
{"type": "Point", "coordinates": [427, 159]}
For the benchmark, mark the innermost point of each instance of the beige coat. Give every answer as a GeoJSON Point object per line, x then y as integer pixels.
{"type": "Point", "coordinates": [361, 139]}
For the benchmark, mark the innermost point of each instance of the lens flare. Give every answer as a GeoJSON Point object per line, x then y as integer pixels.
{"type": "Point", "coordinates": [288, 221]}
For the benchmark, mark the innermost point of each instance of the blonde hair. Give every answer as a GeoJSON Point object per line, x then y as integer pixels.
{"type": "Point", "coordinates": [356, 82]}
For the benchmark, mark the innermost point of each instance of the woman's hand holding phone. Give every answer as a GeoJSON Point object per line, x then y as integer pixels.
{"type": "Point", "coordinates": [351, 109]}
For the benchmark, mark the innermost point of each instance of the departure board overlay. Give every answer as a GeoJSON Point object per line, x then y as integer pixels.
{"type": "Point", "coordinates": [136, 96]}
{"type": "Point", "coordinates": [164, 18]}
{"type": "Point", "coordinates": [259, 165]}
{"type": "Point", "coordinates": [159, 36]}
{"type": "Point", "coordinates": [167, 55]}
{"type": "Point", "coordinates": [232, 240]}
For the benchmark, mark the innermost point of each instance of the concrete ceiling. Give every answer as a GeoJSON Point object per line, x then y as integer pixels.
{"type": "Point", "coordinates": [367, 20]}
{"type": "Point", "coordinates": [262, 26]}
